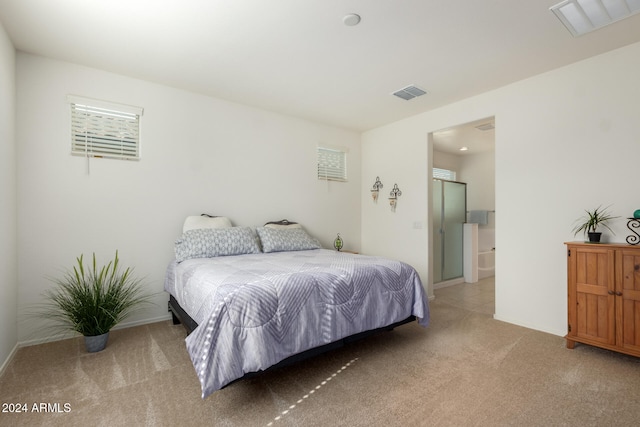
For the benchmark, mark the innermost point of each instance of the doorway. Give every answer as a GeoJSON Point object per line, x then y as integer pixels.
{"type": "Point", "coordinates": [465, 154]}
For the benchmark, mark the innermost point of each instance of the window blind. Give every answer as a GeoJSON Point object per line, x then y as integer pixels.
{"type": "Point", "coordinates": [102, 129]}
{"type": "Point", "coordinates": [332, 164]}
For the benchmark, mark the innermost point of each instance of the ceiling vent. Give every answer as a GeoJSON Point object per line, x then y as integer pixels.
{"type": "Point", "coordinates": [486, 126]}
{"type": "Point", "coordinates": [583, 16]}
{"type": "Point", "coordinates": [409, 92]}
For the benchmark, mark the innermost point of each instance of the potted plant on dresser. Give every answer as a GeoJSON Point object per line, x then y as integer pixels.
{"type": "Point", "coordinates": [589, 223]}
{"type": "Point", "coordinates": [91, 300]}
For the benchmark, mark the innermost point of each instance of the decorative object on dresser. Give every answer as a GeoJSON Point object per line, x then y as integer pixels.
{"type": "Point", "coordinates": [604, 296]}
{"type": "Point", "coordinates": [376, 189]}
{"type": "Point", "coordinates": [393, 197]}
{"type": "Point", "coordinates": [589, 223]}
{"type": "Point", "coordinates": [634, 239]}
{"type": "Point", "coordinates": [92, 300]}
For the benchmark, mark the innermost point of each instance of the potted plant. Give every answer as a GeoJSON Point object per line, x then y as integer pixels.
{"type": "Point", "coordinates": [590, 222]}
{"type": "Point", "coordinates": [92, 300]}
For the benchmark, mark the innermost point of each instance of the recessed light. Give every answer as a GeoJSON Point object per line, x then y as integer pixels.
{"type": "Point", "coordinates": [464, 148]}
{"type": "Point", "coordinates": [351, 19]}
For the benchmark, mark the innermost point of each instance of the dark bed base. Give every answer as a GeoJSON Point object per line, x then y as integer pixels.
{"type": "Point", "coordinates": [180, 316]}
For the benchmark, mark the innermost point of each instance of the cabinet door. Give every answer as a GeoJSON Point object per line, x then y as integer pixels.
{"type": "Point", "coordinates": [628, 304]}
{"type": "Point", "coordinates": [591, 294]}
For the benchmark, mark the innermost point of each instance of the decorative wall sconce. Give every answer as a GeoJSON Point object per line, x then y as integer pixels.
{"type": "Point", "coordinates": [376, 189]}
{"type": "Point", "coordinates": [338, 243]}
{"type": "Point", "coordinates": [394, 194]}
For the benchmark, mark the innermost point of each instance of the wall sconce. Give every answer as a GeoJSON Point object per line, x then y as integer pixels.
{"type": "Point", "coordinates": [376, 189]}
{"type": "Point", "coordinates": [338, 243]}
{"type": "Point", "coordinates": [393, 199]}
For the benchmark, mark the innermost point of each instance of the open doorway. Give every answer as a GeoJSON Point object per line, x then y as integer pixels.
{"type": "Point", "coordinates": [465, 153]}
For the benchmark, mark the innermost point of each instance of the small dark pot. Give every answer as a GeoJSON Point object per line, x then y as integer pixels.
{"type": "Point", "coordinates": [594, 237]}
{"type": "Point", "coordinates": [96, 343]}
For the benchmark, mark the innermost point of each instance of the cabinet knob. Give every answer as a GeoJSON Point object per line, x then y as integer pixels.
{"type": "Point", "coordinates": [610, 292]}
{"type": "Point", "coordinates": [618, 293]}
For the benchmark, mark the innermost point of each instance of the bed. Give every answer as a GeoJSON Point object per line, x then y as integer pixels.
{"type": "Point", "coordinates": [252, 299]}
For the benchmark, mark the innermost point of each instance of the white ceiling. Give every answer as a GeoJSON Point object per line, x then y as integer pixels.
{"type": "Point", "coordinates": [297, 57]}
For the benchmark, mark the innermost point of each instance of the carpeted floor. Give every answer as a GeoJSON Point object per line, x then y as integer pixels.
{"type": "Point", "coordinates": [466, 369]}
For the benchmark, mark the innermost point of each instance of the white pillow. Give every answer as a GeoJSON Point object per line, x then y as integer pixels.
{"type": "Point", "coordinates": [196, 222]}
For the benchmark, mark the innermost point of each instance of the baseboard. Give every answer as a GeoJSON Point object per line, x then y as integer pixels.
{"type": "Point", "coordinates": [9, 358]}
{"type": "Point", "coordinates": [51, 338]}
{"type": "Point", "coordinates": [122, 325]}
{"type": "Point", "coordinates": [528, 326]}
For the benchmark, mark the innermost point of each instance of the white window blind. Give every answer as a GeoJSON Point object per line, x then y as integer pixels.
{"type": "Point", "coordinates": [104, 129]}
{"type": "Point", "coordinates": [332, 164]}
{"type": "Point", "coordinates": [446, 174]}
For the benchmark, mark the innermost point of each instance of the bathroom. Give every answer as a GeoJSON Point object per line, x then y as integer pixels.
{"type": "Point", "coordinates": [464, 182]}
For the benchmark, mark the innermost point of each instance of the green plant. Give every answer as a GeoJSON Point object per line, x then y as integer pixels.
{"type": "Point", "coordinates": [93, 300]}
{"type": "Point", "coordinates": [589, 223]}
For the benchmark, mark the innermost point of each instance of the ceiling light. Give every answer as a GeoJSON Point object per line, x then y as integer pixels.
{"type": "Point", "coordinates": [583, 16]}
{"type": "Point", "coordinates": [409, 92]}
{"type": "Point", "coordinates": [463, 148]}
{"type": "Point", "coordinates": [351, 19]}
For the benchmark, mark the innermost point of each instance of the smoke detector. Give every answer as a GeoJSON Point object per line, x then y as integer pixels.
{"type": "Point", "coordinates": [409, 92]}
{"type": "Point", "coordinates": [351, 19]}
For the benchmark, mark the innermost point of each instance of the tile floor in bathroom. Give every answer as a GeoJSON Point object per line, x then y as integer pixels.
{"type": "Point", "coordinates": [478, 297]}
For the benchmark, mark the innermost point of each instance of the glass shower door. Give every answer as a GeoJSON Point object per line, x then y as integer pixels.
{"type": "Point", "coordinates": [449, 215]}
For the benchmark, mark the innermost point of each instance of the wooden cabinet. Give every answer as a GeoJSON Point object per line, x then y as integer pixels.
{"type": "Point", "coordinates": [604, 296]}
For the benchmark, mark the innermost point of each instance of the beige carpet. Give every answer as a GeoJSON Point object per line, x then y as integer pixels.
{"type": "Point", "coordinates": [466, 369]}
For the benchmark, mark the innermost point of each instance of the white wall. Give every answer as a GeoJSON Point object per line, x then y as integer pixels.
{"type": "Point", "coordinates": [566, 141]}
{"type": "Point", "coordinates": [398, 155]}
{"type": "Point", "coordinates": [8, 218]}
{"type": "Point", "coordinates": [199, 154]}
{"type": "Point", "coordinates": [447, 161]}
{"type": "Point", "coordinates": [478, 171]}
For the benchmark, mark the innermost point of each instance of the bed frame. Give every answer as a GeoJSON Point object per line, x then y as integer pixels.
{"type": "Point", "coordinates": [180, 316]}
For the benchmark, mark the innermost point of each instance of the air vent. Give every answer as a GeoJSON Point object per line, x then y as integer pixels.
{"type": "Point", "coordinates": [409, 92]}
{"type": "Point", "coordinates": [486, 126]}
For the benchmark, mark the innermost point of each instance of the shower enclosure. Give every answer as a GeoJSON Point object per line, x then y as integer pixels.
{"type": "Point", "coordinates": [449, 215]}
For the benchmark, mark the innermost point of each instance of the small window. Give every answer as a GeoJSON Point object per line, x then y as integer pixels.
{"type": "Point", "coordinates": [104, 129]}
{"type": "Point", "coordinates": [332, 164]}
{"type": "Point", "coordinates": [445, 174]}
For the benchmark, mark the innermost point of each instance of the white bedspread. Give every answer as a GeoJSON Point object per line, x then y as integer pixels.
{"type": "Point", "coordinates": [256, 310]}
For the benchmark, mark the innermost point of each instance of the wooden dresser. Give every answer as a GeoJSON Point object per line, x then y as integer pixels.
{"type": "Point", "coordinates": [604, 296]}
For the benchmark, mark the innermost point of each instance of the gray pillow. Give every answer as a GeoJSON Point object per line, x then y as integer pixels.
{"type": "Point", "coordinates": [286, 239]}
{"type": "Point", "coordinates": [213, 242]}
